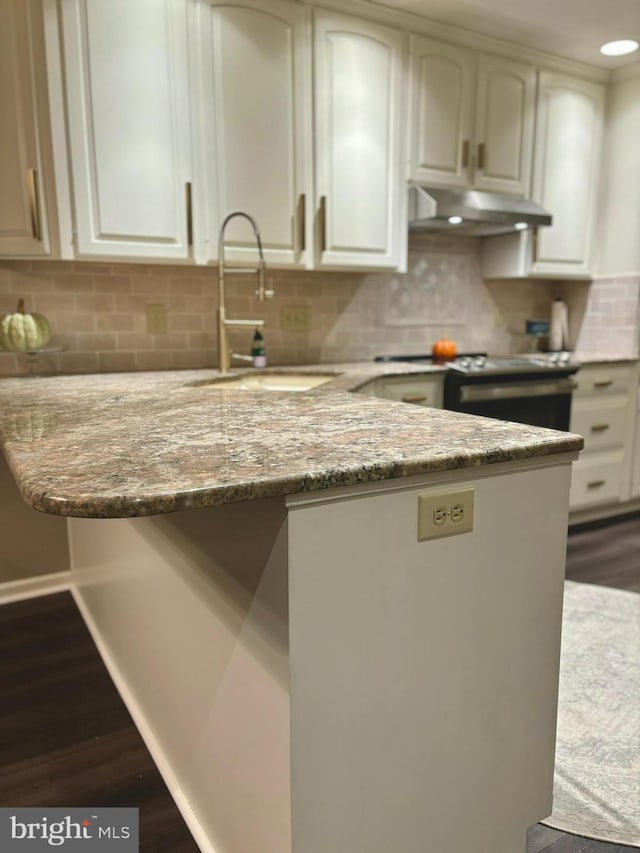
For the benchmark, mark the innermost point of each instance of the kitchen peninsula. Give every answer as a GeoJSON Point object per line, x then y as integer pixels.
{"type": "Point", "coordinates": [308, 675]}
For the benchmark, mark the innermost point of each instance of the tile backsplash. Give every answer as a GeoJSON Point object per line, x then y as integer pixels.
{"type": "Point", "coordinates": [97, 311]}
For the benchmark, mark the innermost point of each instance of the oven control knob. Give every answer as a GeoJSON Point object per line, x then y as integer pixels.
{"type": "Point", "coordinates": [554, 358]}
{"type": "Point", "coordinates": [479, 361]}
{"type": "Point", "coordinates": [563, 357]}
{"type": "Point", "coordinates": [464, 361]}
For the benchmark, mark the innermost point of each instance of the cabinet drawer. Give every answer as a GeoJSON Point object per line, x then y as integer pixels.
{"type": "Point", "coordinates": [420, 391]}
{"type": "Point", "coordinates": [601, 422]}
{"type": "Point", "coordinates": [603, 379]}
{"type": "Point", "coordinates": [596, 479]}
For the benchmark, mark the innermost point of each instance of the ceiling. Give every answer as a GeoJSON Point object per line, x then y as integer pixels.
{"type": "Point", "coordinates": [571, 28]}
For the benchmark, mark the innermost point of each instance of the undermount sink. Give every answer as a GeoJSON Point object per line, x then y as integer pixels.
{"type": "Point", "coordinates": [270, 381]}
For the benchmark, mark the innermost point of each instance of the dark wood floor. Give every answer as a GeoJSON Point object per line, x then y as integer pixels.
{"type": "Point", "coordinates": [66, 738]}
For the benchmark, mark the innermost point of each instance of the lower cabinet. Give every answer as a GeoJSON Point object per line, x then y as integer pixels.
{"type": "Point", "coordinates": [420, 390]}
{"type": "Point", "coordinates": [603, 412]}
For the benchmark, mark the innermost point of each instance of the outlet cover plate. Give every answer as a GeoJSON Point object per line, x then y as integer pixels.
{"type": "Point", "coordinates": [445, 514]}
{"type": "Point", "coordinates": [296, 318]}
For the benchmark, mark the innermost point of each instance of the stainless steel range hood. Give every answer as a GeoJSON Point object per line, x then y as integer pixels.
{"type": "Point", "coordinates": [472, 213]}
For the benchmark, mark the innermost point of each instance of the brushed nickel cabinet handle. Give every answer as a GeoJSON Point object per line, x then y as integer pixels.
{"type": "Point", "coordinates": [189, 214]}
{"type": "Point", "coordinates": [465, 153]}
{"type": "Point", "coordinates": [34, 203]}
{"type": "Point", "coordinates": [600, 427]}
{"type": "Point", "coordinates": [302, 222]}
{"type": "Point", "coordinates": [323, 223]}
{"type": "Point", "coordinates": [482, 153]}
{"type": "Point", "coordinates": [595, 484]}
{"type": "Point", "coordinates": [604, 383]}
{"type": "Point", "coordinates": [414, 398]}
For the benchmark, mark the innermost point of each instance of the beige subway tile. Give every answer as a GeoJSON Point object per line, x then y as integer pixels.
{"type": "Point", "coordinates": [50, 303]}
{"type": "Point", "coordinates": [128, 302]}
{"type": "Point", "coordinates": [170, 341]}
{"type": "Point", "coordinates": [26, 287]}
{"type": "Point", "coordinates": [46, 268]}
{"type": "Point", "coordinates": [74, 321]}
{"type": "Point", "coordinates": [202, 340]}
{"type": "Point", "coordinates": [78, 362]}
{"type": "Point", "coordinates": [95, 302]}
{"type": "Point", "coordinates": [191, 358]}
{"type": "Point", "coordinates": [96, 341]}
{"type": "Point", "coordinates": [117, 361]}
{"type": "Point", "coordinates": [134, 341]}
{"type": "Point", "coordinates": [112, 284]}
{"type": "Point", "coordinates": [181, 285]}
{"type": "Point", "coordinates": [72, 283]}
{"type": "Point", "coordinates": [68, 340]}
{"type": "Point", "coordinates": [149, 284]}
{"type": "Point", "coordinates": [9, 364]}
{"type": "Point", "coordinates": [185, 322]}
{"type": "Point", "coordinates": [92, 267]}
{"type": "Point", "coordinates": [115, 322]}
{"type": "Point", "coordinates": [153, 360]}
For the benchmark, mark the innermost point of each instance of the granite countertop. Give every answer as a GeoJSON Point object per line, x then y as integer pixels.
{"type": "Point", "coordinates": [135, 444]}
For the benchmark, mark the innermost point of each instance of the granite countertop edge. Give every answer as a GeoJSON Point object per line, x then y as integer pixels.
{"type": "Point", "coordinates": [141, 444]}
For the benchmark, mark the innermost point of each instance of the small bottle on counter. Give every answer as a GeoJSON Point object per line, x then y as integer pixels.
{"type": "Point", "coordinates": [258, 351]}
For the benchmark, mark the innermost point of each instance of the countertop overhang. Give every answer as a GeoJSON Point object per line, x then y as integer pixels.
{"type": "Point", "coordinates": [137, 444]}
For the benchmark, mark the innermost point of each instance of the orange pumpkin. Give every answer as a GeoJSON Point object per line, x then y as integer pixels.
{"type": "Point", "coordinates": [444, 350]}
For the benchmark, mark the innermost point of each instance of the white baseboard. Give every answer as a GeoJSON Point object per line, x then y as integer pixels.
{"type": "Point", "coordinates": [165, 769]}
{"type": "Point", "coordinates": [34, 587]}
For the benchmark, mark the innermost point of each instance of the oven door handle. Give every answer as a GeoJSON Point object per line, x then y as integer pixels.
{"type": "Point", "coordinates": [513, 390]}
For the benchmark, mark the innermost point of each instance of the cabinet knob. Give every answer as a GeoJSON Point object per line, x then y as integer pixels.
{"type": "Point", "coordinates": [599, 427]}
{"type": "Point", "coordinates": [603, 383]}
{"type": "Point", "coordinates": [414, 398]}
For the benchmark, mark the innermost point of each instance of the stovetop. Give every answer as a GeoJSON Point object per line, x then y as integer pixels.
{"type": "Point", "coordinates": [481, 363]}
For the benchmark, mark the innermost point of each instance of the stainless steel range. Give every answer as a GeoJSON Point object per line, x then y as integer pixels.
{"type": "Point", "coordinates": [532, 390]}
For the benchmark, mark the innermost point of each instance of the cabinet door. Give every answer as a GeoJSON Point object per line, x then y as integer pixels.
{"type": "Point", "coordinates": [128, 117]}
{"type": "Point", "coordinates": [358, 100]}
{"type": "Point", "coordinates": [504, 125]}
{"type": "Point", "coordinates": [257, 85]}
{"type": "Point", "coordinates": [22, 225]}
{"type": "Point", "coordinates": [566, 170]}
{"type": "Point", "coordinates": [441, 111]}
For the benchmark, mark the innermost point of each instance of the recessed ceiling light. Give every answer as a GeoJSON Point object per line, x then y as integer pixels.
{"type": "Point", "coordinates": [455, 220]}
{"type": "Point", "coordinates": [619, 48]}
{"type": "Point", "coordinates": [521, 226]}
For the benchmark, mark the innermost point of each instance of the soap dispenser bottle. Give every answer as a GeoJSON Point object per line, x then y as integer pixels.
{"type": "Point", "coordinates": [258, 351]}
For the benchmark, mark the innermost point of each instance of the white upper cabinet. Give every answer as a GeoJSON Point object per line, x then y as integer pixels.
{"type": "Point", "coordinates": [442, 82]}
{"type": "Point", "coordinates": [505, 123]}
{"type": "Point", "coordinates": [126, 76]}
{"type": "Point", "coordinates": [254, 84]}
{"type": "Point", "coordinates": [566, 175]}
{"type": "Point", "coordinates": [566, 170]}
{"type": "Point", "coordinates": [360, 194]}
{"type": "Point", "coordinates": [472, 118]}
{"type": "Point", "coordinates": [23, 227]}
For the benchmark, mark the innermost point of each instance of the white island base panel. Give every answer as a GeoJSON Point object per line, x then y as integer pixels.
{"type": "Point", "coordinates": [312, 679]}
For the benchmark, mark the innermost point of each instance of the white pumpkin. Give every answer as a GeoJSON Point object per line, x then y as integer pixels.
{"type": "Point", "coordinates": [22, 331]}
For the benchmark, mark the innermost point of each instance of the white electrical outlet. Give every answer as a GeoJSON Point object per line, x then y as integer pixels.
{"type": "Point", "coordinates": [445, 514]}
